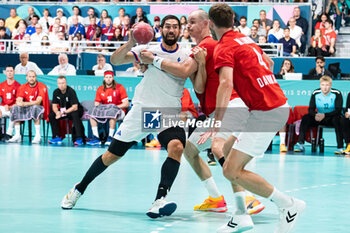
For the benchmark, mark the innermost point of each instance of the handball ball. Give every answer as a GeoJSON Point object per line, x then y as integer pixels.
{"type": "Point", "coordinates": [143, 33]}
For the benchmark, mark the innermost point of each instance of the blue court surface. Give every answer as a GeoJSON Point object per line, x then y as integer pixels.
{"type": "Point", "coordinates": [34, 179]}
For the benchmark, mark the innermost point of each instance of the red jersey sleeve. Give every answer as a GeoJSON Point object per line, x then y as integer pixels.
{"type": "Point", "coordinates": [20, 92]}
{"type": "Point", "coordinates": [123, 94]}
{"type": "Point", "coordinates": [98, 94]}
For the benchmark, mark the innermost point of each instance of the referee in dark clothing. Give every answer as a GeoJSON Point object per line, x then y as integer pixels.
{"type": "Point", "coordinates": [345, 125]}
{"type": "Point", "coordinates": [65, 104]}
{"type": "Point", "coordinates": [325, 108]}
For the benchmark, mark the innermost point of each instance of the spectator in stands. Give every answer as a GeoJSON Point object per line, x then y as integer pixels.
{"type": "Point", "coordinates": [118, 21]}
{"type": "Point", "coordinates": [2, 24]}
{"type": "Point", "coordinates": [64, 68]}
{"type": "Point", "coordinates": [135, 70]}
{"type": "Point", "coordinates": [76, 28]}
{"type": "Point", "coordinates": [61, 27]}
{"type": "Point", "coordinates": [318, 45]}
{"type": "Point", "coordinates": [29, 99]}
{"type": "Point", "coordinates": [37, 36]}
{"type": "Point", "coordinates": [295, 32]}
{"type": "Point", "coordinates": [31, 13]}
{"type": "Point", "coordinates": [321, 23]}
{"type": "Point", "coordinates": [261, 29]}
{"type": "Point", "coordinates": [254, 34]}
{"type": "Point", "coordinates": [98, 37]}
{"type": "Point", "coordinates": [345, 125]}
{"type": "Point", "coordinates": [101, 66]}
{"type": "Point", "coordinates": [301, 22]}
{"type": "Point", "coordinates": [61, 45]}
{"type": "Point", "coordinates": [234, 20]}
{"type": "Point", "coordinates": [183, 23]}
{"type": "Point", "coordinates": [140, 16]}
{"type": "Point", "coordinates": [124, 29]}
{"type": "Point", "coordinates": [90, 31]}
{"type": "Point", "coordinates": [12, 20]}
{"type": "Point", "coordinates": [45, 45]}
{"type": "Point", "coordinates": [25, 65]}
{"type": "Point", "coordinates": [110, 96]}
{"type": "Point", "coordinates": [156, 28]}
{"type": "Point", "coordinates": [63, 19]}
{"type": "Point", "coordinates": [8, 91]}
{"type": "Point", "coordinates": [18, 24]}
{"type": "Point", "coordinates": [20, 35]}
{"type": "Point", "coordinates": [320, 70]}
{"type": "Point", "coordinates": [330, 37]}
{"type": "Point", "coordinates": [325, 108]}
{"type": "Point", "coordinates": [75, 47]}
{"type": "Point", "coordinates": [265, 22]}
{"type": "Point", "coordinates": [3, 36]}
{"type": "Point", "coordinates": [91, 14]}
{"type": "Point", "coordinates": [334, 9]}
{"type": "Point", "coordinates": [117, 37]}
{"type": "Point", "coordinates": [243, 26]}
{"type": "Point", "coordinates": [275, 33]}
{"type": "Point", "coordinates": [25, 46]}
{"type": "Point", "coordinates": [65, 104]}
{"type": "Point", "coordinates": [289, 44]}
{"type": "Point", "coordinates": [34, 21]}
{"type": "Point", "coordinates": [185, 39]}
{"type": "Point", "coordinates": [108, 31]}
{"type": "Point", "coordinates": [46, 21]}
{"type": "Point", "coordinates": [286, 67]}
{"type": "Point", "coordinates": [76, 14]}
{"type": "Point", "coordinates": [53, 35]}
{"type": "Point", "coordinates": [268, 49]}
{"type": "Point", "coordinates": [103, 16]}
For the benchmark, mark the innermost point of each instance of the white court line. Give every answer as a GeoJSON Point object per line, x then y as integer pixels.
{"type": "Point", "coordinates": [315, 186]}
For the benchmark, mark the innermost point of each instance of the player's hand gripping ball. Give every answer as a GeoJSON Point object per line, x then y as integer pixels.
{"type": "Point", "coordinates": [143, 33]}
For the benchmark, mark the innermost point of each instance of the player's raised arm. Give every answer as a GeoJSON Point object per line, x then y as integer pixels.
{"type": "Point", "coordinates": [123, 55]}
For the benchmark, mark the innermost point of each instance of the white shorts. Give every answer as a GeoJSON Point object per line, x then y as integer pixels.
{"type": "Point", "coordinates": [234, 121]}
{"type": "Point", "coordinates": [260, 128]}
{"type": "Point", "coordinates": [4, 113]}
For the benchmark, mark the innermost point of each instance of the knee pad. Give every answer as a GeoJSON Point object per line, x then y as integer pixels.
{"type": "Point", "coordinates": [119, 148]}
{"type": "Point", "coordinates": [172, 133]}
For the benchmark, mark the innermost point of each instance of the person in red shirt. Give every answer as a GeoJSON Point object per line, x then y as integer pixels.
{"type": "Point", "coordinates": [108, 31]}
{"type": "Point", "coordinates": [8, 91]}
{"type": "Point", "coordinates": [28, 95]}
{"type": "Point", "coordinates": [318, 44]}
{"type": "Point", "coordinates": [110, 92]}
{"type": "Point", "coordinates": [242, 65]}
{"type": "Point", "coordinates": [90, 31]}
{"type": "Point", "coordinates": [206, 82]}
{"type": "Point", "coordinates": [330, 37]}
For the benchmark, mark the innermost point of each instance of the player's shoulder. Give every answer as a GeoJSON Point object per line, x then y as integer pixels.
{"type": "Point", "coordinates": [100, 88]}
{"type": "Point", "coordinates": [208, 42]}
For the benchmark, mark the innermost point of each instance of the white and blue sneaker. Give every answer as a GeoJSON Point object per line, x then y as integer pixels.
{"type": "Point", "coordinates": [299, 147]}
{"type": "Point", "coordinates": [94, 141]}
{"type": "Point", "coordinates": [339, 151]}
{"type": "Point", "coordinates": [56, 140]}
{"type": "Point", "coordinates": [289, 216]}
{"type": "Point", "coordinates": [237, 223]}
{"type": "Point", "coordinates": [161, 208]}
{"type": "Point", "coordinates": [70, 199]}
{"type": "Point", "coordinates": [109, 141]}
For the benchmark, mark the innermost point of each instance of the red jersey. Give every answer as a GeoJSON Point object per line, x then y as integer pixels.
{"type": "Point", "coordinates": [252, 78]}
{"type": "Point", "coordinates": [208, 98]}
{"type": "Point", "coordinates": [109, 32]}
{"type": "Point", "coordinates": [28, 93]}
{"type": "Point", "coordinates": [8, 93]}
{"type": "Point", "coordinates": [329, 35]}
{"type": "Point", "coordinates": [187, 103]}
{"type": "Point", "coordinates": [110, 96]}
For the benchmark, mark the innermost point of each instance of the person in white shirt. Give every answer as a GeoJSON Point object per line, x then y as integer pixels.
{"type": "Point", "coordinates": [26, 65]}
{"type": "Point", "coordinates": [295, 31]}
{"type": "Point", "coordinates": [76, 12]}
{"type": "Point", "coordinates": [276, 31]}
{"type": "Point", "coordinates": [60, 45]}
{"type": "Point", "coordinates": [118, 21]}
{"type": "Point", "coordinates": [64, 68]}
{"type": "Point", "coordinates": [53, 36]}
{"type": "Point", "coordinates": [101, 66]}
{"type": "Point", "coordinates": [37, 36]}
{"type": "Point", "coordinates": [25, 46]}
{"type": "Point", "coordinates": [62, 18]}
{"type": "Point", "coordinates": [243, 27]}
{"type": "Point", "coordinates": [46, 21]}
{"type": "Point", "coordinates": [91, 14]}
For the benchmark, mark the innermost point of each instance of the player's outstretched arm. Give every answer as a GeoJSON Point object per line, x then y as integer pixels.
{"type": "Point", "coordinates": [123, 55]}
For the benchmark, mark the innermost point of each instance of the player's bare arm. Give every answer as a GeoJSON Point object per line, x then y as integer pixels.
{"type": "Point", "coordinates": [123, 55]}
{"type": "Point", "coordinates": [201, 76]}
{"type": "Point", "coordinates": [269, 61]}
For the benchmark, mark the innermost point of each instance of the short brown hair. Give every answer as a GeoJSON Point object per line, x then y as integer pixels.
{"type": "Point", "coordinates": [326, 78]}
{"type": "Point", "coordinates": [61, 77]}
{"type": "Point", "coordinates": [221, 14]}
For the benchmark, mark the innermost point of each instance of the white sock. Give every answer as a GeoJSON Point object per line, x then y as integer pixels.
{"type": "Point", "coordinates": [247, 193]}
{"type": "Point", "coordinates": [37, 130]}
{"type": "Point", "coordinates": [9, 130]}
{"type": "Point", "coordinates": [211, 187]}
{"type": "Point", "coordinates": [280, 199]}
{"type": "Point", "coordinates": [95, 131]}
{"type": "Point", "coordinates": [17, 130]}
{"type": "Point", "coordinates": [111, 132]}
{"type": "Point", "coordinates": [240, 202]}
{"type": "Point", "coordinates": [282, 138]}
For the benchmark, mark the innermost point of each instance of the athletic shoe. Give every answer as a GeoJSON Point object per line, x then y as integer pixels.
{"type": "Point", "coordinates": [36, 140]}
{"type": "Point", "coordinates": [339, 151]}
{"type": "Point", "coordinates": [289, 216]}
{"type": "Point", "coordinates": [299, 147]}
{"type": "Point", "coordinates": [283, 148]}
{"type": "Point", "coordinates": [254, 206]}
{"type": "Point", "coordinates": [6, 138]}
{"type": "Point", "coordinates": [237, 223]}
{"type": "Point", "coordinates": [109, 141]}
{"type": "Point", "coordinates": [56, 140]}
{"type": "Point", "coordinates": [70, 199]}
{"type": "Point", "coordinates": [211, 159]}
{"type": "Point", "coordinates": [347, 150]}
{"type": "Point", "coordinates": [153, 143]}
{"type": "Point", "coordinates": [15, 139]}
{"type": "Point", "coordinates": [79, 142]}
{"type": "Point", "coordinates": [213, 205]}
{"type": "Point", "coordinates": [161, 208]}
{"type": "Point", "coordinates": [94, 141]}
